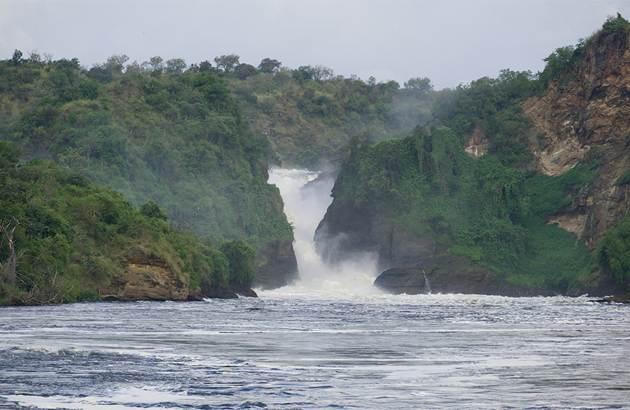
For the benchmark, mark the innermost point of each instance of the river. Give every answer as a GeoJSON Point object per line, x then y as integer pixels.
{"type": "Point", "coordinates": [329, 341]}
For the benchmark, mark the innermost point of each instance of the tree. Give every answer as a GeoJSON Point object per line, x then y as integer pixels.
{"type": "Point", "coordinates": [8, 268]}
{"type": "Point", "coordinates": [419, 84]}
{"type": "Point", "coordinates": [614, 251]}
{"type": "Point", "coordinates": [155, 64]}
{"type": "Point", "coordinates": [267, 65]}
{"type": "Point", "coordinates": [73, 159]}
{"type": "Point", "coordinates": [241, 257]}
{"type": "Point", "coordinates": [227, 62]}
{"type": "Point", "coordinates": [17, 57]}
{"type": "Point", "coordinates": [116, 63]}
{"type": "Point", "coordinates": [152, 210]}
{"type": "Point", "coordinates": [34, 56]}
{"type": "Point", "coordinates": [321, 73]}
{"type": "Point", "coordinates": [205, 66]}
{"type": "Point", "coordinates": [242, 71]}
{"type": "Point", "coordinates": [175, 66]}
{"type": "Point", "coordinates": [617, 26]}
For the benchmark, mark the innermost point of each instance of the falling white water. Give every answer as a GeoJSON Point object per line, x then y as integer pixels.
{"type": "Point", "coordinates": [306, 198]}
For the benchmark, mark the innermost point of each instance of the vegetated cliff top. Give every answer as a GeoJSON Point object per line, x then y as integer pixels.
{"type": "Point", "coordinates": [309, 117]}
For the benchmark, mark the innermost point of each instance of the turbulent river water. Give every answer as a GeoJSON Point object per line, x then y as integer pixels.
{"type": "Point", "coordinates": [330, 341]}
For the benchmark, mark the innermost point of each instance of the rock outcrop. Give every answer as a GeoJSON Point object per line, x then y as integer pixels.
{"type": "Point", "coordinates": [477, 144]}
{"type": "Point", "coordinates": [585, 116]}
{"type": "Point", "coordinates": [279, 267]}
{"type": "Point", "coordinates": [446, 273]}
{"type": "Point", "coordinates": [148, 277]}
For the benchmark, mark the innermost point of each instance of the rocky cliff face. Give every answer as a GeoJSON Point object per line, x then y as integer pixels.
{"type": "Point", "coordinates": [147, 277]}
{"type": "Point", "coordinates": [582, 117]}
{"type": "Point", "coordinates": [585, 118]}
{"type": "Point", "coordinates": [279, 267]}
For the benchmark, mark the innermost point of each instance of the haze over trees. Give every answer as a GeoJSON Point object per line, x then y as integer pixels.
{"type": "Point", "coordinates": [152, 132]}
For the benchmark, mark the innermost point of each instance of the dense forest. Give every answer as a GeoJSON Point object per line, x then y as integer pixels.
{"type": "Point", "coordinates": [153, 134]}
{"type": "Point", "coordinates": [309, 114]}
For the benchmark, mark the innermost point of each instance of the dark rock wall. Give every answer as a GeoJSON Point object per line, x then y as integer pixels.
{"type": "Point", "coordinates": [410, 263]}
{"type": "Point", "coordinates": [279, 267]}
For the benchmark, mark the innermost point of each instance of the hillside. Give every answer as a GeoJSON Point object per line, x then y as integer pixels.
{"type": "Point", "coordinates": [513, 194]}
{"type": "Point", "coordinates": [154, 133]}
{"type": "Point", "coordinates": [309, 115]}
{"type": "Point", "coordinates": [62, 239]}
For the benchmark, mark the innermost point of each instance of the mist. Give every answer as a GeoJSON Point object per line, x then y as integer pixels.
{"type": "Point", "coordinates": [306, 195]}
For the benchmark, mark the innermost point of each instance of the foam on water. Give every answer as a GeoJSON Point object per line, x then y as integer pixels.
{"type": "Point", "coordinates": [318, 350]}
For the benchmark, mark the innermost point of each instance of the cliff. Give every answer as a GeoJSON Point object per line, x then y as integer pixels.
{"type": "Point", "coordinates": [148, 277]}
{"type": "Point", "coordinates": [177, 139]}
{"type": "Point", "coordinates": [279, 267]}
{"type": "Point", "coordinates": [585, 116]}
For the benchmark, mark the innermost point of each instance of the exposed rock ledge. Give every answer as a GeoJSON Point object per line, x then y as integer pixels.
{"type": "Point", "coordinates": [616, 299]}
{"type": "Point", "coordinates": [148, 277]}
{"type": "Point", "coordinates": [279, 267]}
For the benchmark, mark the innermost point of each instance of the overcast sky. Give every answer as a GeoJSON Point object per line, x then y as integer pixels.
{"type": "Point", "coordinates": [451, 42]}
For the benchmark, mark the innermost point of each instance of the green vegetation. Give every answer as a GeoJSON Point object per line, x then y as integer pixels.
{"type": "Point", "coordinates": [158, 131]}
{"type": "Point", "coordinates": [614, 252]}
{"type": "Point", "coordinates": [615, 26]}
{"type": "Point", "coordinates": [486, 209]}
{"type": "Point", "coordinates": [624, 178]}
{"type": "Point", "coordinates": [62, 238]}
{"type": "Point", "coordinates": [563, 59]}
{"type": "Point", "coordinates": [493, 214]}
{"type": "Point", "coordinates": [491, 106]}
{"type": "Point", "coordinates": [309, 114]}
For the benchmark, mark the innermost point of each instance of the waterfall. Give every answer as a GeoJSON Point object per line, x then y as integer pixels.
{"type": "Point", "coordinates": [426, 282]}
{"type": "Point", "coordinates": [306, 196]}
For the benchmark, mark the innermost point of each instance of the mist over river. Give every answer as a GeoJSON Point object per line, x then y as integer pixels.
{"type": "Point", "coordinates": [330, 341]}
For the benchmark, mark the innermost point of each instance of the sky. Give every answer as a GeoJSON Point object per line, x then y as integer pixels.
{"type": "Point", "coordinates": [450, 42]}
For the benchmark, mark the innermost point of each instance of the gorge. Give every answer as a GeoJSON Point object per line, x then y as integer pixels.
{"type": "Point", "coordinates": [152, 184]}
